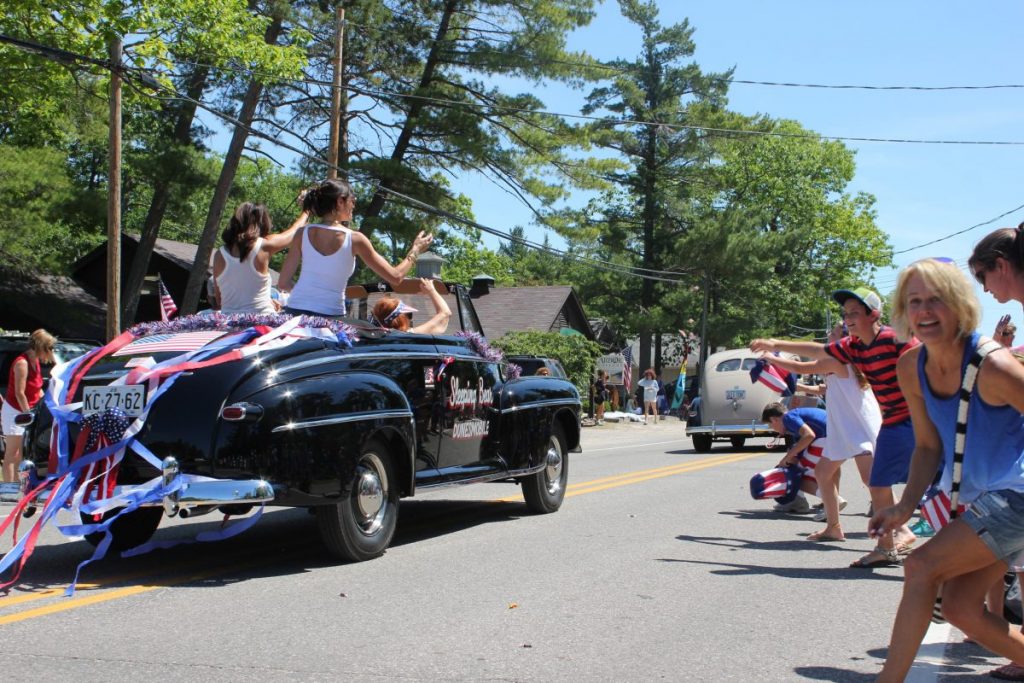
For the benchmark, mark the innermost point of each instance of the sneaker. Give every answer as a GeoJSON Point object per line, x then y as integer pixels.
{"type": "Point", "coordinates": [819, 516]}
{"type": "Point", "coordinates": [798, 506]}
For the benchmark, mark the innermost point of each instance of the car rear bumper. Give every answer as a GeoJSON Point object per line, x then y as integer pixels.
{"type": "Point", "coordinates": [751, 428]}
{"type": "Point", "coordinates": [192, 498]}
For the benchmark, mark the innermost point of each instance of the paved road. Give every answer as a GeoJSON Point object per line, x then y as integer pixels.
{"type": "Point", "coordinates": [658, 567]}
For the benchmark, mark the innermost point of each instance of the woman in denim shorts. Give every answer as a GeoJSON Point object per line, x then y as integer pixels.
{"type": "Point", "coordinates": [935, 302]}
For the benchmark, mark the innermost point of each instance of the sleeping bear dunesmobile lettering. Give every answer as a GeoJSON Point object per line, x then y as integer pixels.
{"type": "Point", "coordinates": [470, 429]}
{"type": "Point", "coordinates": [468, 397]}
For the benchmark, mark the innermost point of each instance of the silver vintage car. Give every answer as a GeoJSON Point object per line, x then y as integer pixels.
{"type": "Point", "coordinates": [729, 404]}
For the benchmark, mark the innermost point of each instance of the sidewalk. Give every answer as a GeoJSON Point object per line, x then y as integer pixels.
{"type": "Point", "coordinates": [624, 420]}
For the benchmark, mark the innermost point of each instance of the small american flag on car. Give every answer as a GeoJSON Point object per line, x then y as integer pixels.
{"type": "Point", "coordinates": [167, 306]}
{"type": "Point", "coordinates": [172, 342]}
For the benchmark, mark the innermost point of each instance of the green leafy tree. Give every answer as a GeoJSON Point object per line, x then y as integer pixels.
{"type": "Point", "coordinates": [639, 217]}
{"type": "Point", "coordinates": [37, 193]}
{"type": "Point", "coordinates": [576, 353]}
{"type": "Point", "coordinates": [445, 88]}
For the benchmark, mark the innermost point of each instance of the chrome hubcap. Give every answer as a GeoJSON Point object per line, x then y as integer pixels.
{"type": "Point", "coordinates": [553, 470]}
{"type": "Point", "coordinates": [370, 494]}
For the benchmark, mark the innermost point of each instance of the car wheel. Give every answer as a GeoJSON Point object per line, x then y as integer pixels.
{"type": "Point", "coordinates": [361, 526]}
{"type": "Point", "coordinates": [545, 490]}
{"type": "Point", "coordinates": [129, 530]}
{"type": "Point", "coordinates": [737, 441]}
{"type": "Point", "coordinates": [702, 443]}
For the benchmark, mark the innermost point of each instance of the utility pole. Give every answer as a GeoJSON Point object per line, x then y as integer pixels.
{"type": "Point", "coordinates": [114, 194]}
{"type": "Point", "coordinates": [339, 53]}
{"type": "Point", "coordinates": [704, 324]}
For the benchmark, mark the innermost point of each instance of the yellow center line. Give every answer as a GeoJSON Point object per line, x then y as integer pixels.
{"type": "Point", "coordinates": [75, 603]}
{"type": "Point", "coordinates": [692, 467]}
{"type": "Point", "coordinates": [591, 486]}
{"type": "Point", "coordinates": [628, 478]}
{"type": "Point", "coordinates": [668, 468]}
{"type": "Point", "coordinates": [12, 600]}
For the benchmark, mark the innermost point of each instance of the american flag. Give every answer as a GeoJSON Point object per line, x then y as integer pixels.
{"type": "Point", "coordinates": [167, 306]}
{"type": "Point", "coordinates": [627, 367]}
{"type": "Point", "coordinates": [775, 378]}
{"type": "Point", "coordinates": [936, 506]}
{"type": "Point", "coordinates": [176, 341]}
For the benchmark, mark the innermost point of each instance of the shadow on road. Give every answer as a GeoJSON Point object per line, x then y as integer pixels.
{"type": "Point", "coordinates": [833, 573]}
{"type": "Point", "coordinates": [284, 542]}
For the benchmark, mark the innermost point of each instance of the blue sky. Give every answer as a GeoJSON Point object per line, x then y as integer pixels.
{"type": "Point", "coordinates": [923, 191]}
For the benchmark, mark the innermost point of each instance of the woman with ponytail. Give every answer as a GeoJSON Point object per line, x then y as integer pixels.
{"type": "Point", "coordinates": [327, 251]}
{"type": "Point", "coordinates": [241, 268]}
{"type": "Point", "coordinates": [998, 263]}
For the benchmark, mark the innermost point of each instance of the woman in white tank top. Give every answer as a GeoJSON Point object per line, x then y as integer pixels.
{"type": "Point", "coordinates": [241, 268]}
{"type": "Point", "coordinates": [327, 251]}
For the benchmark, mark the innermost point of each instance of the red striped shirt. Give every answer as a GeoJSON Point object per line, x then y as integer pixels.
{"type": "Point", "coordinates": [877, 361]}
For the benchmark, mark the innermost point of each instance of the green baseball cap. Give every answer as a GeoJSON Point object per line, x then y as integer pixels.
{"type": "Point", "coordinates": [865, 296]}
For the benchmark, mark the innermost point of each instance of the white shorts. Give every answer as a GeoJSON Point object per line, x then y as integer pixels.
{"type": "Point", "coordinates": [7, 426]}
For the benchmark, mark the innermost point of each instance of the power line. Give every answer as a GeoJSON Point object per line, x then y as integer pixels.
{"type": "Point", "coordinates": [145, 78]}
{"type": "Point", "coordinates": [737, 132]}
{"type": "Point", "coordinates": [960, 232]}
{"type": "Point", "coordinates": [921, 88]}
{"type": "Point", "coordinates": [423, 206]}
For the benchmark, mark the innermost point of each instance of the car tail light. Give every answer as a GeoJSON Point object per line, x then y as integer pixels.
{"type": "Point", "coordinates": [241, 412]}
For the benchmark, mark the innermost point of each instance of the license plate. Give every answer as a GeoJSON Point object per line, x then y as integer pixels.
{"type": "Point", "coordinates": [129, 398]}
{"type": "Point", "coordinates": [735, 394]}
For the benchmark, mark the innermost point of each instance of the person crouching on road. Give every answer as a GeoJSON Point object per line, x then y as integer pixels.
{"type": "Point", "coordinates": [936, 302]}
{"type": "Point", "coordinates": [807, 428]}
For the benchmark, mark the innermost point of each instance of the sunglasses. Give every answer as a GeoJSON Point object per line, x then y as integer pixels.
{"type": "Point", "coordinates": [1007, 334]}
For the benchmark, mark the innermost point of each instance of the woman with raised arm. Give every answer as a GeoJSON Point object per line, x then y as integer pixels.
{"type": "Point", "coordinates": [241, 268]}
{"type": "Point", "coordinates": [327, 251]}
{"type": "Point", "coordinates": [393, 313]}
{"type": "Point", "coordinates": [936, 302]}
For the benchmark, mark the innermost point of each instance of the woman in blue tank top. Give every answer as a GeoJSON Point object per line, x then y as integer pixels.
{"type": "Point", "coordinates": [936, 303]}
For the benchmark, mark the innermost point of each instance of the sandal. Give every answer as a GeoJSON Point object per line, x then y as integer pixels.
{"type": "Point", "coordinates": [824, 537]}
{"type": "Point", "coordinates": [889, 558]}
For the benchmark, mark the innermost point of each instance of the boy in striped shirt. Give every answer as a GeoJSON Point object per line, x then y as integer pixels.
{"type": "Point", "coordinates": [874, 349]}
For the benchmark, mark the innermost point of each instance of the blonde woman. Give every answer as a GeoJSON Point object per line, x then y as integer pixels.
{"type": "Point", "coordinates": [935, 301]}
{"type": "Point", "coordinates": [24, 389]}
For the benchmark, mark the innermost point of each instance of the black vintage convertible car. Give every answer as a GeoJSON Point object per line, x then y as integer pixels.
{"type": "Point", "coordinates": [345, 427]}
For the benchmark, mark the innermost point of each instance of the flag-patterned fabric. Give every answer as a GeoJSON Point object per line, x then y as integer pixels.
{"type": "Point", "coordinates": [775, 378]}
{"type": "Point", "coordinates": [935, 508]}
{"type": "Point", "coordinates": [174, 342]}
{"type": "Point", "coordinates": [167, 305]}
{"type": "Point", "coordinates": [809, 459]}
{"type": "Point", "coordinates": [782, 483]}
{"type": "Point", "coordinates": [627, 367]}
